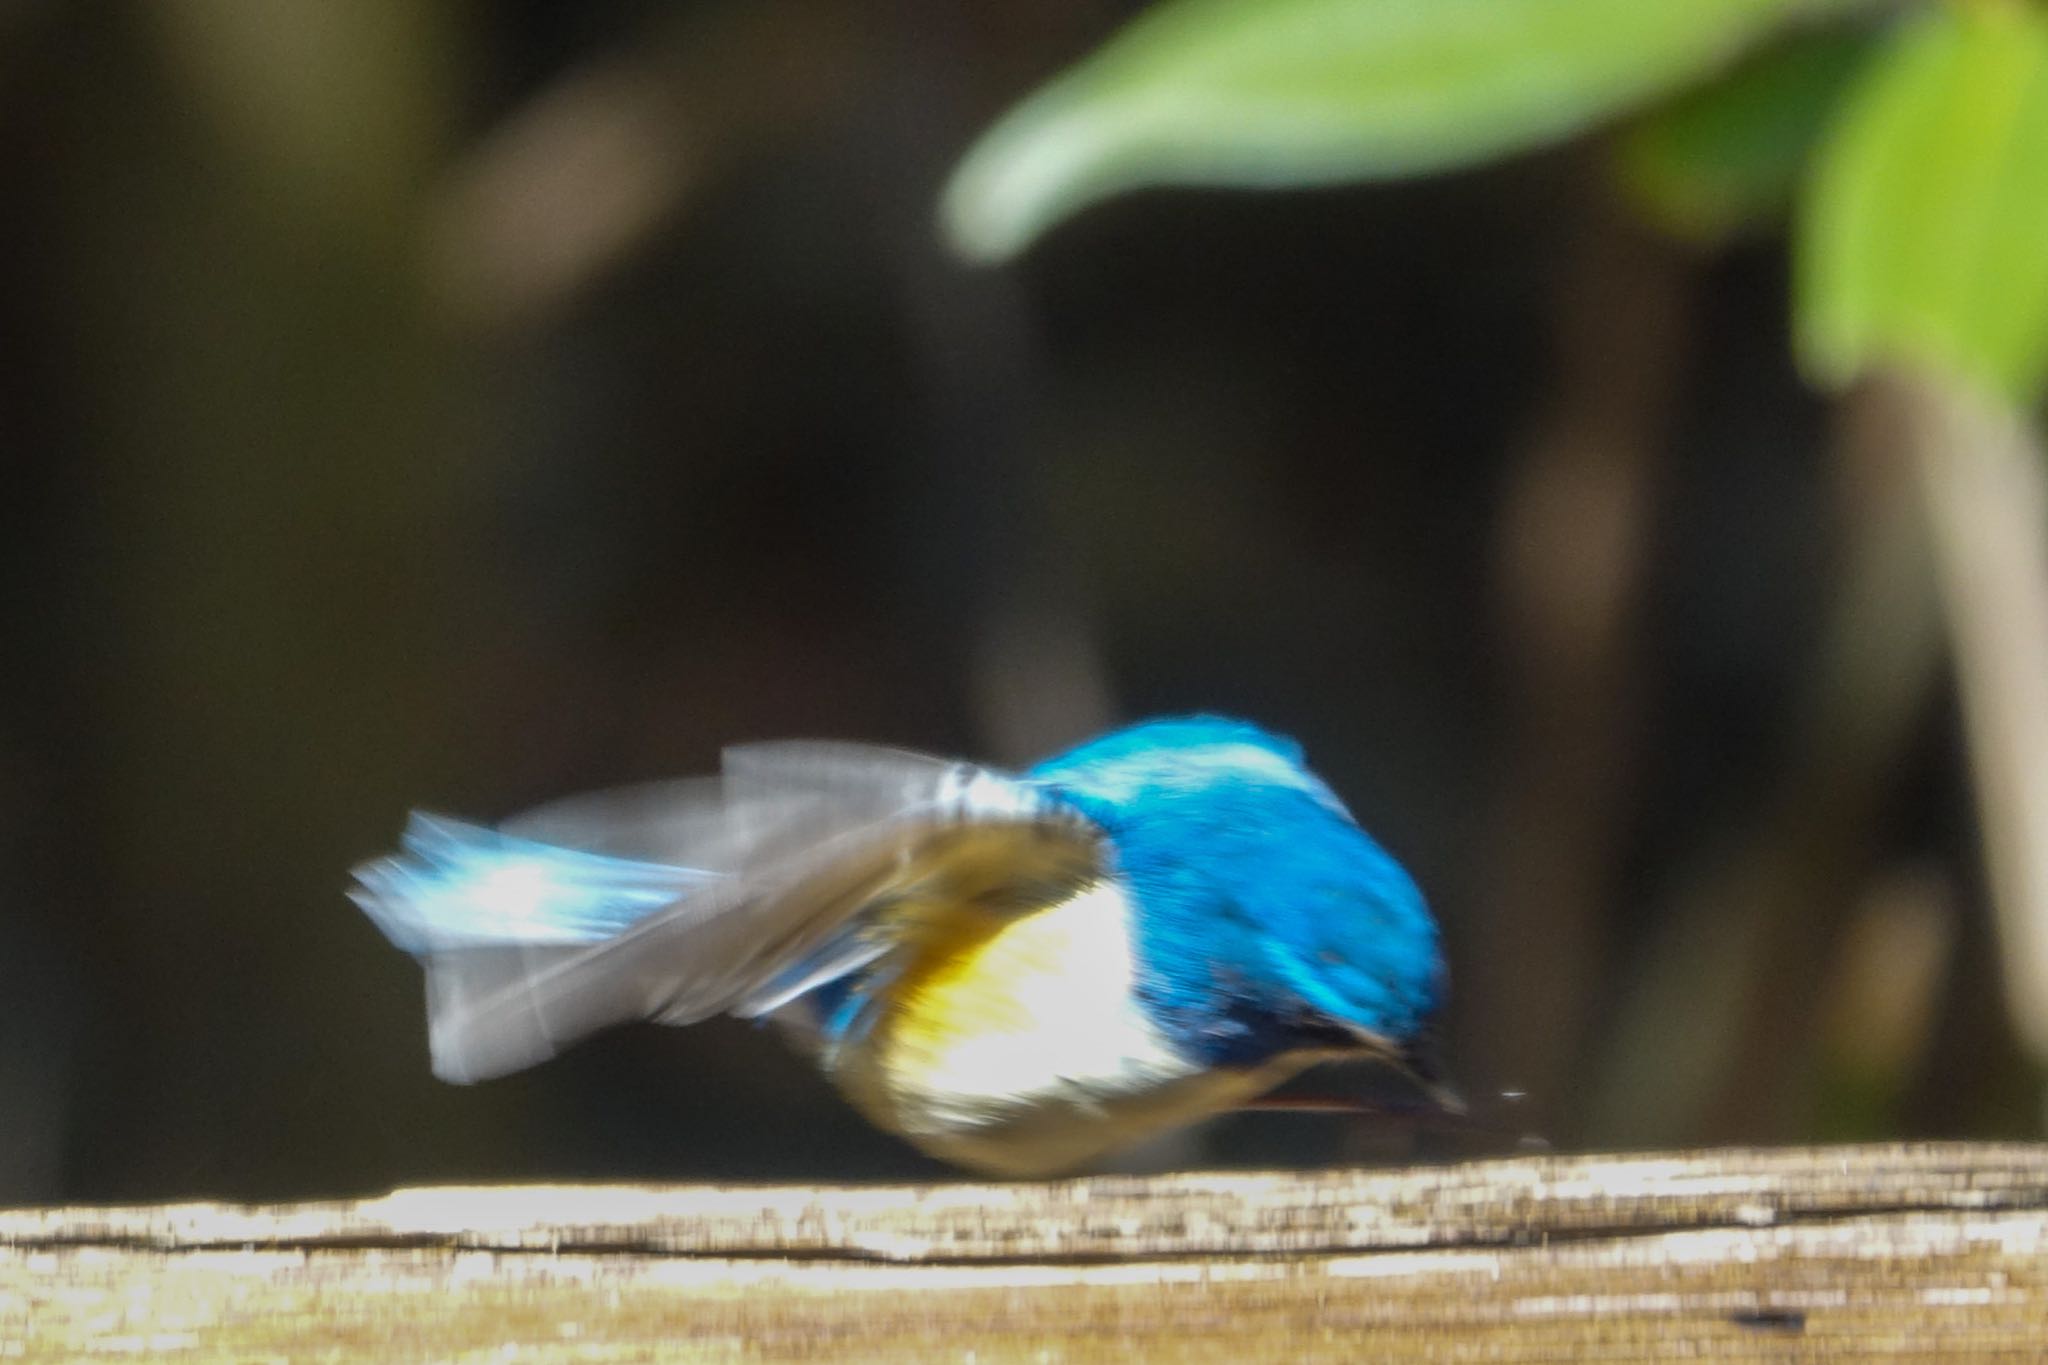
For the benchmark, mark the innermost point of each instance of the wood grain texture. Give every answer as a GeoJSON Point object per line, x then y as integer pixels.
{"type": "Point", "coordinates": [1871, 1253]}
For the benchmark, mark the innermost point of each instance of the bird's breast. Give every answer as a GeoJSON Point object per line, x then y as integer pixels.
{"type": "Point", "coordinates": [1017, 1044]}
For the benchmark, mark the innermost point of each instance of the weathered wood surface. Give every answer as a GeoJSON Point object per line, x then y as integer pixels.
{"type": "Point", "coordinates": [1871, 1253]}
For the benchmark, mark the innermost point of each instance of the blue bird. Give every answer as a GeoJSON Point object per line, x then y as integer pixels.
{"type": "Point", "coordinates": [1016, 973]}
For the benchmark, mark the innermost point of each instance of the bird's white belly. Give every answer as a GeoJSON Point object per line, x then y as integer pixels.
{"type": "Point", "coordinates": [1025, 1051]}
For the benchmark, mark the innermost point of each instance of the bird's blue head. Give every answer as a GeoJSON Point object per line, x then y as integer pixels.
{"type": "Point", "coordinates": [1265, 919]}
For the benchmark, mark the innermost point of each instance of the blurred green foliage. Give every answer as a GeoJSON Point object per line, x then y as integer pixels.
{"type": "Point", "coordinates": [1921, 239]}
{"type": "Point", "coordinates": [1269, 93]}
{"type": "Point", "coordinates": [1923, 221]}
{"type": "Point", "coordinates": [1725, 158]}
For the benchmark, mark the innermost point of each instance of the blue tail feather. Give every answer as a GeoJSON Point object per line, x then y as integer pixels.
{"type": "Point", "coordinates": [459, 885]}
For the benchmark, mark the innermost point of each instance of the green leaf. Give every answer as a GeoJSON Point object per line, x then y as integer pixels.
{"type": "Point", "coordinates": [1724, 158]}
{"type": "Point", "coordinates": [1923, 235]}
{"type": "Point", "coordinates": [1269, 93]}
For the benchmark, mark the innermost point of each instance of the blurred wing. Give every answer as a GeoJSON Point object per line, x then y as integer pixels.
{"type": "Point", "coordinates": [693, 822]}
{"type": "Point", "coordinates": [671, 902]}
{"type": "Point", "coordinates": [709, 824]}
{"type": "Point", "coordinates": [867, 781]}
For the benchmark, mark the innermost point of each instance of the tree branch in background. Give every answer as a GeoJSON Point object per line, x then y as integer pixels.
{"type": "Point", "coordinates": [1979, 469]}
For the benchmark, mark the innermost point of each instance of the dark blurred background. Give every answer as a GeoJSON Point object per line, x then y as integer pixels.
{"type": "Point", "coordinates": [420, 403]}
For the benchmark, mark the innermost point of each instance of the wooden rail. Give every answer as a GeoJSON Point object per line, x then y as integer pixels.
{"type": "Point", "coordinates": [1866, 1253]}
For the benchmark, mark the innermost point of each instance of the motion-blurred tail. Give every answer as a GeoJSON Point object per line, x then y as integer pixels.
{"type": "Point", "coordinates": [487, 913]}
{"type": "Point", "coordinates": [669, 902]}
{"type": "Point", "coordinates": [459, 885]}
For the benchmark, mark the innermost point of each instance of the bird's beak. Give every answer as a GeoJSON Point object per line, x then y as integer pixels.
{"type": "Point", "coordinates": [1420, 1059]}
